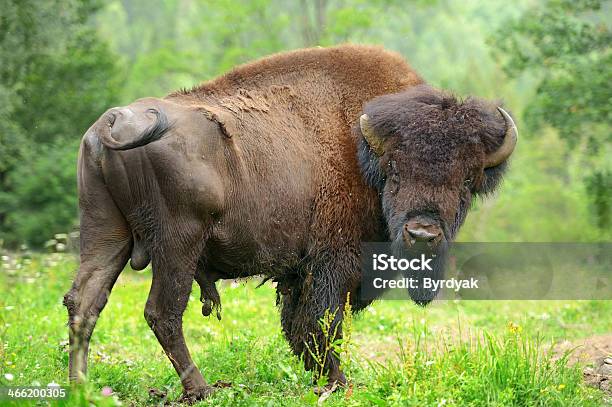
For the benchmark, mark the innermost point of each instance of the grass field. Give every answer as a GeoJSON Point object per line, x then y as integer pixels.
{"type": "Point", "coordinates": [451, 353]}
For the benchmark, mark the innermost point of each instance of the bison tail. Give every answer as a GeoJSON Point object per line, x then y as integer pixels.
{"type": "Point", "coordinates": [125, 123]}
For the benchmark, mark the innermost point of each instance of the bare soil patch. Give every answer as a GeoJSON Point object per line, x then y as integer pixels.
{"type": "Point", "coordinates": [595, 353]}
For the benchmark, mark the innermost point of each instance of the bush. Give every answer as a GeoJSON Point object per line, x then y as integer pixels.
{"type": "Point", "coordinates": [44, 198]}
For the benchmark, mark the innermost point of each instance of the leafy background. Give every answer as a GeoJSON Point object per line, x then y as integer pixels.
{"type": "Point", "coordinates": [64, 62]}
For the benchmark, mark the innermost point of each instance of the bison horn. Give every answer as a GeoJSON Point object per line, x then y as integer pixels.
{"type": "Point", "coordinates": [375, 142]}
{"type": "Point", "coordinates": [510, 138]}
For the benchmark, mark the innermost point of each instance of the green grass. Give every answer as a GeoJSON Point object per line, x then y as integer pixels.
{"type": "Point", "coordinates": [452, 353]}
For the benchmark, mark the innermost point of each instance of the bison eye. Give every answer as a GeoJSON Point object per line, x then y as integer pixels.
{"type": "Point", "coordinates": [468, 182]}
{"type": "Point", "coordinates": [395, 180]}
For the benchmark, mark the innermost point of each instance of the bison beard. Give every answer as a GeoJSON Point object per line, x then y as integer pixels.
{"type": "Point", "coordinates": [420, 295]}
{"type": "Point", "coordinates": [258, 173]}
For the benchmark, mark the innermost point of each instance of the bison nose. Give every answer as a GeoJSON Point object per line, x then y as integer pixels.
{"type": "Point", "coordinates": [422, 232]}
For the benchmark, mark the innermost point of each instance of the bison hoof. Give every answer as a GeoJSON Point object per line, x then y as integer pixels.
{"type": "Point", "coordinates": [193, 396]}
{"type": "Point", "coordinates": [329, 387]}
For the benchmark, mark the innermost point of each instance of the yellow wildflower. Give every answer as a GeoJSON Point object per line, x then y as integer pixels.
{"type": "Point", "coordinates": [514, 328]}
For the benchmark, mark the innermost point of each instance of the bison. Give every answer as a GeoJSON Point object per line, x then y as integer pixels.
{"type": "Point", "coordinates": [279, 168]}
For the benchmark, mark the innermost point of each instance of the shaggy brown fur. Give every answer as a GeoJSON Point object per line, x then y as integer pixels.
{"type": "Point", "coordinates": [257, 172]}
{"type": "Point", "coordinates": [436, 141]}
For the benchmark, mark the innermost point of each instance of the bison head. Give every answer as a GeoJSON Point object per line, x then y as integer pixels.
{"type": "Point", "coordinates": [429, 154]}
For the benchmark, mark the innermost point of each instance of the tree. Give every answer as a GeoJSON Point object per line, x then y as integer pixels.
{"type": "Point", "coordinates": [566, 43]}
{"type": "Point", "coordinates": [56, 78]}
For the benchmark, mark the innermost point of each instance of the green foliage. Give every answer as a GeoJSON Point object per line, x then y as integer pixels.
{"type": "Point", "coordinates": [402, 354]}
{"type": "Point", "coordinates": [43, 199]}
{"type": "Point", "coordinates": [57, 77]}
{"type": "Point", "coordinates": [569, 47]}
{"type": "Point", "coordinates": [178, 45]}
{"type": "Point", "coordinates": [508, 369]}
{"type": "Point", "coordinates": [566, 43]}
{"type": "Point", "coordinates": [64, 92]}
{"type": "Point", "coordinates": [599, 185]}
{"type": "Point", "coordinates": [548, 60]}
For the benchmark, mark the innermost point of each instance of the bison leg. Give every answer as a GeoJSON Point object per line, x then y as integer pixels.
{"type": "Point", "coordinates": [304, 304]}
{"type": "Point", "coordinates": [88, 296]}
{"type": "Point", "coordinates": [174, 265]}
{"type": "Point", "coordinates": [105, 249]}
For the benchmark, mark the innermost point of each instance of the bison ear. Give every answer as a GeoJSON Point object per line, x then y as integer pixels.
{"type": "Point", "coordinates": [373, 140]}
{"type": "Point", "coordinates": [224, 119]}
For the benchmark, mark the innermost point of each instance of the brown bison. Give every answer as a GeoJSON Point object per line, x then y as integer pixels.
{"type": "Point", "coordinates": [278, 168]}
